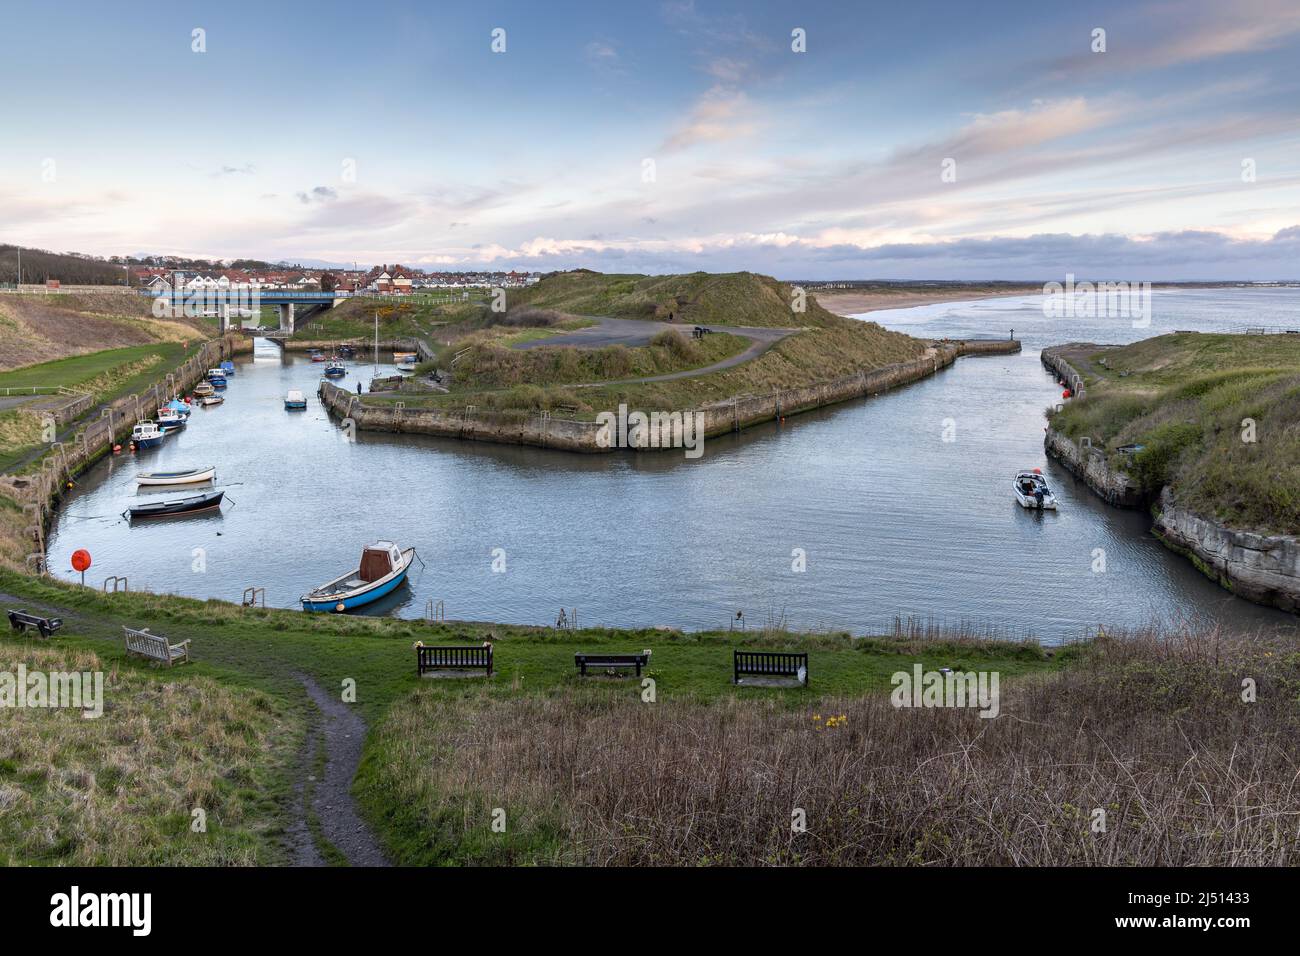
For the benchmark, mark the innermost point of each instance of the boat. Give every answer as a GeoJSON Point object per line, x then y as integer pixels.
{"type": "Point", "coordinates": [207, 401]}
{"type": "Point", "coordinates": [189, 477]}
{"type": "Point", "coordinates": [195, 504]}
{"type": "Point", "coordinates": [1032, 491]}
{"type": "Point", "coordinates": [203, 389]}
{"type": "Point", "coordinates": [335, 369]}
{"type": "Point", "coordinates": [295, 399]}
{"type": "Point", "coordinates": [147, 435]}
{"type": "Point", "coordinates": [180, 408]}
{"type": "Point", "coordinates": [169, 416]}
{"type": "Point", "coordinates": [167, 427]}
{"type": "Point", "coordinates": [383, 568]}
{"type": "Point", "coordinates": [228, 368]}
{"type": "Point", "coordinates": [317, 355]}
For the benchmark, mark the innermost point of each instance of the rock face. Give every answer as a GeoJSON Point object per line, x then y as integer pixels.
{"type": "Point", "coordinates": [1260, 567]}
{"type": "Point", "coordinates": [1090, 465]}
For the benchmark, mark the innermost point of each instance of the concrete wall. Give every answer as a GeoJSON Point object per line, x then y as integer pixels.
{"type": "Point", "coordinates": [97, 437]}
{"type": "Point", "coordinates": [545, 431]}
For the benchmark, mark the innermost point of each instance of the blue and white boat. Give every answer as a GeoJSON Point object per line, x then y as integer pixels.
{"type": "Point", "coordinates": [170, 418]}
{"type": "Point", "coordinates": [335, 370]}
{"type": "Point", "coordinates": [216, 378]}
{"type": "Point", "coordinates": [295, 400]}
{"type": "Point", "coordinates": [383, 569]}
{"type": "Point", "coordinates": [228, 367]}
{"type": "Point", "coordinates": [180, 408]}
{"type": "Point", "coordinates": [147, 435]}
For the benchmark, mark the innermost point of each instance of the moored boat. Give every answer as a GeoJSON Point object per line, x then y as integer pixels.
{"type": "Point", "coordinates": [1032, 492]}
{"type": "Point", "coordinates": [188, 477]}
{"type": "Point", "coordinates": [146, 435]}
{"type": "Point", "coordinates": [295, 399]}
{"type": "Point", "coordinates": [383, 568]}
{"type": "Point", "coordinates": [203, 389]}
{"type": "Point", "coordinates": [207, 401]}
{"type": "Point", "coordinates": [228, 368]}
{"type": "Point", "coordinates": [335, 369]}
{"type": "Point", "coordinates": [317, 355]}
{"type": "Point", "coordinates": [195, 504]}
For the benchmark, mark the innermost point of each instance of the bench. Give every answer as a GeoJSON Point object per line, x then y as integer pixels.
{"type": "Point", "coordinates": [699, 332]}
{"type": "Point", "coordinates": [435, 658]}
{"type": "Point", "coordinates": [770, 665]}
{"type": "Point", "coordinates": [155, 647]}
{"type": "Point", "coordinates": [21, 621]}
{"type": "Point", "coordinates": [610, 662]}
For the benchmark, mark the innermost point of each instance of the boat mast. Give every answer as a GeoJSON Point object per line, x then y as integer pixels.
{"type": "Point", "coordinates": [376, 344]}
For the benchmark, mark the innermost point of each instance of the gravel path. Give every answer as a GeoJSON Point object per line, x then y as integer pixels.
{"type": "Point", "coordinates": [634, 332]}
{"type": "Point", "coordinates": [342, 732]}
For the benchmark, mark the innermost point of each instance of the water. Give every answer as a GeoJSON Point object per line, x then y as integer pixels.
{"type": "Point", "coordinates": [892, 519]}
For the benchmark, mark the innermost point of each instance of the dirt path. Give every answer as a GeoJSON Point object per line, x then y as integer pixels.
{"type": "Point", "coordinates": [634, 332]}
{"type": "Point", "coordinates": [327, 798]}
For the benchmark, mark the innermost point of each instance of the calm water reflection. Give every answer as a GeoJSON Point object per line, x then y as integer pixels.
{"type": "Point", "coordinates": [893, 519]}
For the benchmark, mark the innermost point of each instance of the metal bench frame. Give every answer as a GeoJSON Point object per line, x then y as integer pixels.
{"type": "Point", "coordinates": [769, 664]}
{"type": "Point", "coordinates": [21, 620]}
{"type": "Point", "coordinates": [610, 662]}
{"type": "Point", "coordinates": [438, 657]}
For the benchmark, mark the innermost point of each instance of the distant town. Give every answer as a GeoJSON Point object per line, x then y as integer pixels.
{"type": "Point", "coordinates": [383, 279]}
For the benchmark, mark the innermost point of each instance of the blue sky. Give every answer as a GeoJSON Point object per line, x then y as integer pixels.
{"type": "Point", "coordinates": [665, 136]}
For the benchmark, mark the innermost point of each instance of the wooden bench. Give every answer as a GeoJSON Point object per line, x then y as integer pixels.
{"type": "Point", "coordinates": [771, 664]}
{"type": "Point", "coordinates": [155, 647]}
{"type": "Point", "coordinates": [21, 621]}
{"type": "Point", "coordinates": [610, 662]}
{"type": "Point", "coordinates": [435, 658]}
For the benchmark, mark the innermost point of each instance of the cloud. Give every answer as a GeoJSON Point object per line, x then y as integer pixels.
{"type": "Point", "coordinates": [246, 170]}
{"type": "Point", "coordinates": [319, 194]}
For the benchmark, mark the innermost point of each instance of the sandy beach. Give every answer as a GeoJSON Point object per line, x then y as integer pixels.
{"type": "Point", "coordinates": [850, 302]}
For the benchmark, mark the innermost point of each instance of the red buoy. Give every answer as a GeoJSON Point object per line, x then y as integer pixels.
{"type": "Point", "coordinates": [81, 560]}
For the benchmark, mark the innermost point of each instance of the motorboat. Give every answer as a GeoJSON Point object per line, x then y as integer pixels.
{"type": "Point", "coordinates": [195, 504]}
{"type": "Point", "coordinates": [295, 400]}
{"type": "Point", "coordinates": [1032, 492]}
{"type": "Point", "coordinates": [203, 389]}
{"type": "Point", "coordinates": [147, 435]}
{"type": "Point", "coordinates": [207, 401]}
{"type": "Point", "coordinates": [383, 567]}
{"type": "Point", "coordinates": [188, 477]}
{"type": "Point", "coordinates": [335, 370]}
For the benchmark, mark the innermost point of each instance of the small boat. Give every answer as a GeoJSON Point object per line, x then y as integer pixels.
{"type": "Point", "coordinates": [317, 355]}
{"type": "Point", "coordinates": [147, 435]}
{"type": "Point", "coordinates": [175, 425]}
{"type": "Point", "coordinates": [1032, 491]}
{"type": "Point", "coordinates": [335, 370]}
{"type": "Point", "coordinates": [228, 368]}
{"type": "Point", "coordinates": [207, 401]}
{"type": "Point", "coordinates": [383, 568]}
{"type": "Point", "coordinates": [196, 504]}
{"type": "Point", "coordinates": [169, 416]}
{"type": "Point", "coordinates": [190, 477]}
{"type": "Point", "coordinates": [180, 408]}
{"type": "Point", "coordinates": [295, 399]}
{"type": "Point", "coordinates": [203, 389]}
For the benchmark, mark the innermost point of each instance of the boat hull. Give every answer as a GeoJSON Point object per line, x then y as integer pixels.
{"type": "Point", "coordinates": [358, 600]}
{"type": "Point", "coordinates": [148, 442]}
{"type": "Point", "coordinates": [200, 504]}
{"type": "Point", "coordinates": [177, 477]}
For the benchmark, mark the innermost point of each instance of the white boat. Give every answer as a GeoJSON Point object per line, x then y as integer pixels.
{"type": "Point", "coordinates": [147, 435]}
{"type": "Point", "coordinates": [208, 401]}
{"type": "Point", "coordinates": [295, 399]}
{"type": "Point", "coordinates": [1032, 492]}
{"type": "Point", "coordinates": [383, 568]}
{"type": "Point", "coordinates": [188, 477]}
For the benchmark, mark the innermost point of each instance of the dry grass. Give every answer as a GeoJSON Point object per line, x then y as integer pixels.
{"type": "Point", "coordinates": [120, 790]}
{"type": "Point", "coordinates": [1150, 727]}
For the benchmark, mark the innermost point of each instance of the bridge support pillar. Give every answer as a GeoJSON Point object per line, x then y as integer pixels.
{"type": "Point", "coordinates": [223, 317]}
{"type": "Point", "coordinates": [286, 317]}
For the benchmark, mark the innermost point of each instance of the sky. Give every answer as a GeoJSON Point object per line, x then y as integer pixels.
{"type": "Point", "coordinates": [806, 140]}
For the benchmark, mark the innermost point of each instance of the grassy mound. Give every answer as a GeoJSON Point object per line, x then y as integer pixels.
{"type": "Point", "coordinates": [1218, 417]}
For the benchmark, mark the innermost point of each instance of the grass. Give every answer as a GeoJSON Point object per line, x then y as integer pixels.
{"type": "Point", "coordinates": [1149, 730]}
{"type": "Point", "coordinates": [1219, 416]}
{"type": "Point", "coordinates": [121, 790]}
{"type": "Point", "coordinates": [105, 375]}
{"type": "Point", "coordinates": [826, 346]}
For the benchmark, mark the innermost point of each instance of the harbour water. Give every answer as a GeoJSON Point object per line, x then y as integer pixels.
{"type": "Point", "coordinates": [898, 505]}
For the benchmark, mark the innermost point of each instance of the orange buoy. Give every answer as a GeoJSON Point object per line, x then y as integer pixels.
{"type": "Point", "coordinates": [1066, 393]}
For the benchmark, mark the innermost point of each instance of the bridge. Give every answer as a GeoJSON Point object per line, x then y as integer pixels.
{"type": "Point", "coordinates": [220, 302]}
